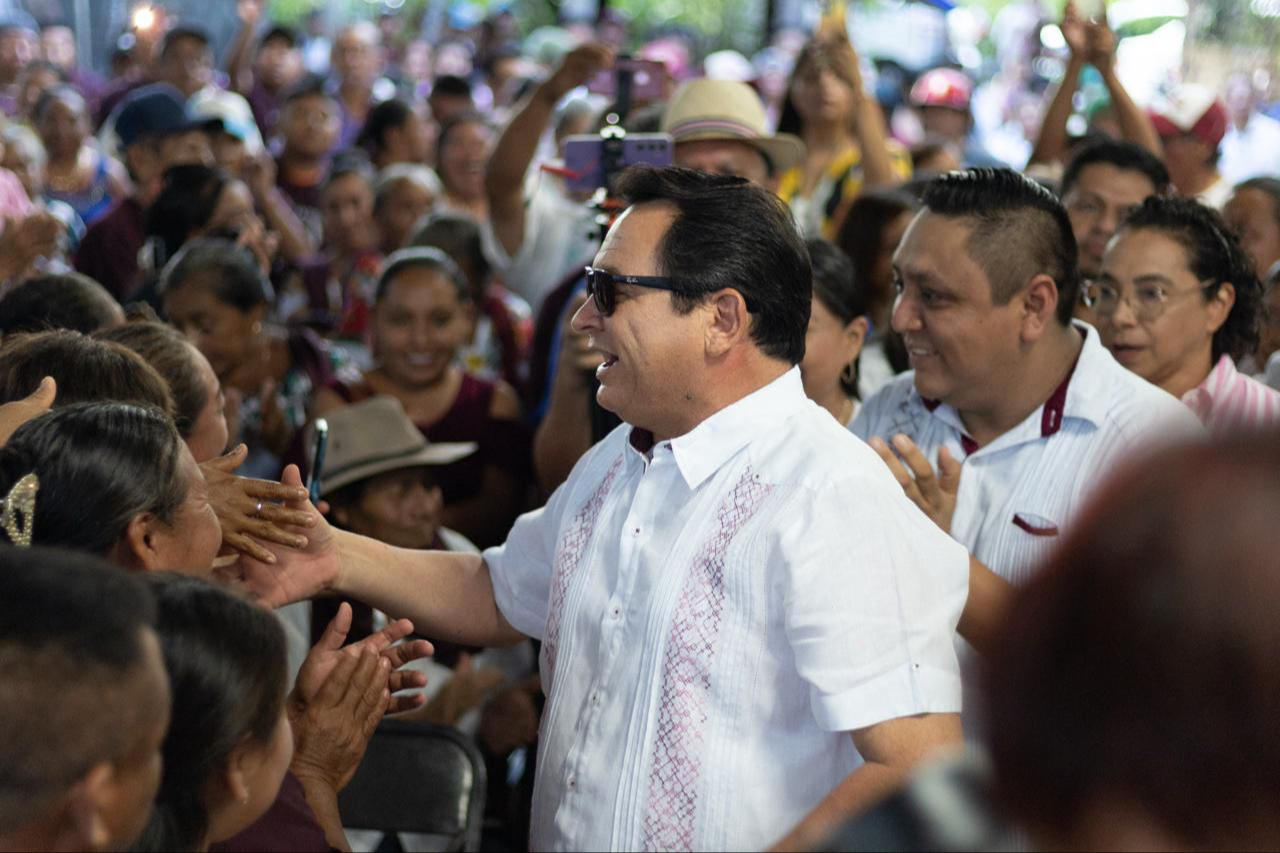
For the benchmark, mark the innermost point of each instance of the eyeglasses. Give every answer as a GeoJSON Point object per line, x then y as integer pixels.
{"type": "Point", "coordinates": [1148, 301]}
{"type": "Point", "coordinates": [603, 287]}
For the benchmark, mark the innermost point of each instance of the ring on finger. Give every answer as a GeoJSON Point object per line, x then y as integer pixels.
{"type": "Point", "coordinates": [257, 513]}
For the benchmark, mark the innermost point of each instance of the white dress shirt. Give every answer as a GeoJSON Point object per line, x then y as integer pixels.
{"type": "Point", "coordinates": [1253, 152]}
{"type": "Point", "coordinates": [717, 615]}
{"type": "Point", "coordinates": [1019, 493]}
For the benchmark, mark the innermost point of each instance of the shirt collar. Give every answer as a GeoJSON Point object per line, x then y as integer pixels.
{"type": "Point", "coordinates": [1079, 397]}
{"type": "Point", "coordinates": [702, 452]}
{"type": "Point", "coordinates": [1216, 386]}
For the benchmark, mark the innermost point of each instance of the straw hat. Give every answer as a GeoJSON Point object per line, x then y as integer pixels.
{"type": "Point", "coordinates": [375, 437]}
{"type": "Point", "coordinates": [728, 111]}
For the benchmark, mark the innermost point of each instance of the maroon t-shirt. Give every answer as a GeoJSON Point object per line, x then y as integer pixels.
{"type": "Point", "coordinates": [289, 826]}
{"type": "Point", "coordinates": [108, 253]}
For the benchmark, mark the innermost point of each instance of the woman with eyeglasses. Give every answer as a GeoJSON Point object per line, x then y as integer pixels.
{"type": "Point", "coordinates": [1178, 303]}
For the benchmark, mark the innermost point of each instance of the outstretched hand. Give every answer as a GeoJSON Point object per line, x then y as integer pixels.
{"type": "Point", "coordinates": [248, 509]}
{"type": "Point", "coordinates": [297, 574]}
{"type": "Point", "coordinates": [14, 415]}
{"type": "Point", "coordinates": [934, 492]}
{"type": "Point", "coordinates": [331, 733]}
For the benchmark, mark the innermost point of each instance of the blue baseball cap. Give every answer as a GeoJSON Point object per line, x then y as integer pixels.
{"type": "Point", "coordinates": [155, 111]}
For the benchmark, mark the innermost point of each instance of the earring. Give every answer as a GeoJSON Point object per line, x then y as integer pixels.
{"type": "Point", "coordinates": [850, 373]}
{"type": "Point", "coordinates": [257, 328]}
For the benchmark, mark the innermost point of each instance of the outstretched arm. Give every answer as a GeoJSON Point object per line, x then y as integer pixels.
{"type": "Point", "coordinates": [504, 178]}
{"type": "Point", "coordinates": [448, 596]}
{"type": "Point", "coordinates": [1051, 146]}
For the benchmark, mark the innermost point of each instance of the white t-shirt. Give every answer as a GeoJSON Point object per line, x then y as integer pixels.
{"type": "Point", "coordinates": [560, 238]}
{"type": "Point", "coordinates": [716, 617]}
{"type": "Point", "coordinates": [1253, 152]}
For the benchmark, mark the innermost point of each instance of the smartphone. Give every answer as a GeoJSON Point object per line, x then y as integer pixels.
{"type": "Point", "coordinates": [584, 157]}
{"type": "Point", "coordinates": [648, 80]}
{"type": "Point", "coordinates": [320, 447]}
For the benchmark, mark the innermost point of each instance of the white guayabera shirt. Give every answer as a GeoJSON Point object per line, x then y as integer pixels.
{"type": "Point", "coordinates": [717, 614]}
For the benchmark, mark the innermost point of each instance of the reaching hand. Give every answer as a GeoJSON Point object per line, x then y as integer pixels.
{"type": "Point", "coordinates": [331, 733]}
{"type": "Point", "coordinates": [17, 413]}
{"type": "Point", "coordinates": [298, 574]}
{"type": "Point", "coordinates": [577, 68]}
{"type": "Point", "coordinates": [934, 493]}
{"type": "Point", "coordinates": [327, 654]}
{"type": "Point", "coordinates": [250, 12]}
{"type": "Point", "coordinates": [248, 510]}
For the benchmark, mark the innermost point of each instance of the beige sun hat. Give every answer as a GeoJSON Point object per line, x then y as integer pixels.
{"type": "Point", "coordinates": [728, 111]}
{"type": "Point", "coordinates": [376, 436]}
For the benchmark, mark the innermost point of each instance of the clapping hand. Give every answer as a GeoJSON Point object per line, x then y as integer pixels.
{"type": "Point", "coordinates": [934, 492]}
{"type": "Point", "coordinates": [328, 653]}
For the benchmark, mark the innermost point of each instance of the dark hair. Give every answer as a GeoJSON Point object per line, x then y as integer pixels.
{"type": "Point", "coordinates": [1020, 230]}
{"type": "Point", "coordinates": [174, 359]}
{"type": "Point", "coordinates": [431, 260]}
{"type": "Point", "coordinates": [61, 613]}
{"type": "Point", "coordinates": [1123, 155]}
{"type": "Point", "coordinates": [38, 65]}
{"type": "Point", "coordinates": [730, 234]}
{"type": "Point", "coordinates": [458, 236]}
{"type": "Point", "coordinates": [839, 291]}
{"type": "Point", "coordinates": [789, 120]}
{"type": "Point", "coordinates": [861, 237]}
{"type": "Point", "coordinates": [228, 270]}
{"type": "Point", "coordinates": [351, 163]}
{"type": "Point", "coordinates": [310, 86]}
{"type": "Point", "coordinates": [279, 32]}
{"type": "Point", "coordinates": [1149, 647]}
{"type": "Point", "coordinates": [228, 674]}
{"type": "Point", "coordinates": [100, 466]}
{"type": "Point", "coordinates": [187, 201]}
{"type": "Point", "coordinates": [451, 86]}
{"type": "Point", "coordinates": [1270, 186]}
{"type": "Point", "coordinates": [1216, 258]}
{"type": "Point", "coordinates": [87, 371]}
{"type": "Point", "coordinates": [179, 33]}
{"type": "Point", "coordinates": [57, 301]}
{"type": "Point", "coordinates": [385, 117]}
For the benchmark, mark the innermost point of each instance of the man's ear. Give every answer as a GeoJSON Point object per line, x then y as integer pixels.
{"type": "Point", "coordinates": [730, 322]}
{"type": "Point", "coordinates": [87, 805]}
{"type": "Point", "coordinates": [1039, 307]}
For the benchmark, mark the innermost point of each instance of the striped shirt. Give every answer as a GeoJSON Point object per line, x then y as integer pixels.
{"type": "Point", "coordinates": [1021, 491]}
{"type": "Point", "coordinates": [1229, 402]}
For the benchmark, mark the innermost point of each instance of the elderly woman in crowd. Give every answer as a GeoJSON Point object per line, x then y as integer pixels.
{"type": "Point", "coordinates": [1179, 304]}
{"type": "Point", "coordinates": [422, 317]}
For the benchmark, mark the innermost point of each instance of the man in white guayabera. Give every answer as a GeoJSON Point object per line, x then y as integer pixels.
{"type": "Point", "coordinates": [748, 630]}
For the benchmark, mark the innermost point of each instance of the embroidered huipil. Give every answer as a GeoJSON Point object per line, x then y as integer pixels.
{"type": "Point", "coordinates": [716, 616]}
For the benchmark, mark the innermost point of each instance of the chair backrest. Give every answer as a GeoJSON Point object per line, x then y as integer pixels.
{"type": "Point", "coordinates": [421, 779]}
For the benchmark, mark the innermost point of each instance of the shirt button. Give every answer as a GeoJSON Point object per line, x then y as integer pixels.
{"type": "Point", "coordinates": [617, 613]}
{"type": "Point", "coordinates": [573, 783]}
{"type": "Point", "coordinates": [595, 698]}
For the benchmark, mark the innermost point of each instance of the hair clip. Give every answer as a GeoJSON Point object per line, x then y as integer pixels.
{"type": "Point", "coordinates": [18, 511]}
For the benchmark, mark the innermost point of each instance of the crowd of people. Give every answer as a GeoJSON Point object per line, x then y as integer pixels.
{"type": "Point", "coordinates": [722, 512]}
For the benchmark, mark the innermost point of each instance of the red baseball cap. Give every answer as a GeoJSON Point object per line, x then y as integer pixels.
{"type": "Point", "coordinates": [1194, 110]}
{"type": "Point", "coordinates": [943, 87]}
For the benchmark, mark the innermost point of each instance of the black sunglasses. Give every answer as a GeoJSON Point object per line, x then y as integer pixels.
{"type": "Point", "coordinates": [603, 287]}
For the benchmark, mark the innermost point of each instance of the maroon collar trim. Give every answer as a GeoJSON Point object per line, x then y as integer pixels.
{"type": "Point", "coordinates": [1055, 413]}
